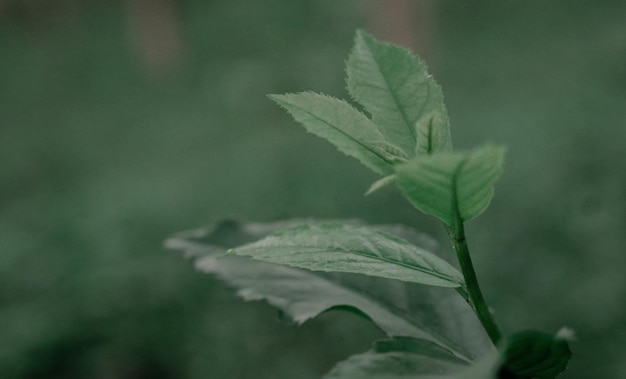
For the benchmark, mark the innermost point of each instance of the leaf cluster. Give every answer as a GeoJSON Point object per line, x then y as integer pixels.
{"type": "Point", "coordinates": [392, 275]}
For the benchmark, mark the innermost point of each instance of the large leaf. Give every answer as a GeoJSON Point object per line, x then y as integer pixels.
{"type": "Point", "coordinates": [341, 124]}
{"type": "Point", "coordinates": [399, 358]}
{"type": "Point", "coordinates": [452, 186]}
{"type": "Point", "coordinates": [355, 249]}
{"type": "Point", "coordinates": [399, 308]}
{"type": "Point", "coordinates": [395, 88]}
{"type": "Point", "coordinates": [525, 355]}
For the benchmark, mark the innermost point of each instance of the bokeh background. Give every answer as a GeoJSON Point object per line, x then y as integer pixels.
{"type": "Point", "coordinates": [122, 122]}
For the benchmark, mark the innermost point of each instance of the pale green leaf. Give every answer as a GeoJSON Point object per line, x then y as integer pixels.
{"type": "Point", "coordinates": [398, 308]}
{"type": "Point", "coordinates": [341, 124]}
{"type": "Point", "coordinates": [394, 86]}
{"type": "Point", "coordinates": [335, 247]}
{"type": "Point", "coordinates": [452, 186]}
{"type": "Point", "coordinates": [390, 153]}
{"type": "Point", "coordinates": [399, 358]}
{"type": "Point", "coordinates": [387, 180]}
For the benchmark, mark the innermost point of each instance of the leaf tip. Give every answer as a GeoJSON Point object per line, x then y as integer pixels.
{"type": "Point", "coordinates": [567, 334]}
{"type": "Point", "coordinates": [277, 98]}
{"type": "Point", "coordinates": [387, 180]}
{"type": "Point", "coordinates": [360, 34]}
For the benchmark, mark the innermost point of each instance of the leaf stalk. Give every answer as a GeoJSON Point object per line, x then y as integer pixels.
{"type": "Point", "coordinates": [472, 292]}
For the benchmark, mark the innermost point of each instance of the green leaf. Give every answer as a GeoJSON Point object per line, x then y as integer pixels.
{"type": "Point", "coordinates": [397, 358]}
{"type": "Point", "coordinates": [394, 86]}
{"type": "Point", "coordinates": [390, 153]}
{"type": "Point", "coordinates": [452, 186]}
{"type": "Point", "coordinates": [341, 124]}
{"type": "Point", "coordinates": [398, 308]}
{"type": "Point", "coordinates": [533, 354]}
{"type": "Point", "coordinates": [387, 180]}
{"type": "Point", "coordinates": [354, 249]}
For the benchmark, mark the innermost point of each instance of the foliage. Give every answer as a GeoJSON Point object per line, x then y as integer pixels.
{"type": "Point", "coordinates": [407, 140]}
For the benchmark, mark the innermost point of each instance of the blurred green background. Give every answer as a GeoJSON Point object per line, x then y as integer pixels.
{"type": "Point", "coordinates": [122, 122]}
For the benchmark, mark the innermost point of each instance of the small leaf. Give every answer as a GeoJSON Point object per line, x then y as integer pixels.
{"type": "Point", "coordinates": [533, 354]}
{"type": "Point", "coordinates": [354, 249]}
{"type": "Point", "coordinates": [341, 124]}
{"type": "Point", "coordinates": [394, 86]}
{"type": "Point", "coordinates": [430, 138]}
{"type": "Point", "coordinates": [452, 186]}
{"type": "Point", "coordinates": [390, 153]}
{"type": "Point", "coordinates": [400, 357]}
{"type": "Point", "coordinates": [387, 180]}
{"type": "Point", "coordinates": [398, 308]}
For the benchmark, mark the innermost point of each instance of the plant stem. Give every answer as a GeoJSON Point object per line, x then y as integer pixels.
{"type": "Point", "coordinates": [475, 296]}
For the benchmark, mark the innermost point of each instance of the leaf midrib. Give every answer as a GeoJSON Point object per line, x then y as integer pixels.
{"type": "Point", "coordinates": [393, 95]}
{"type": "Point", "coordinates": [342, 132]}
{"type": "Point", "coordinates": [376, 257]}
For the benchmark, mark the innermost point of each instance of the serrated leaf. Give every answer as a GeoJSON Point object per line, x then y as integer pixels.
{"type": "Point", "coordinates": [335, 247]}
{"type": "Point", "coordinates": [533, 354]}
{"type": "Point", "coordinates": [393, 85]}
{"type": "Point", "coordinates": [341, 124]}
{"type": "Point", "coordinates": [398, 308]}
{"type": "Point", "coordinates": [451, 186]}
{"type": "Point", "coordinates": [390, 153]}
{"type": "Point", "coordinates": [399, 358]}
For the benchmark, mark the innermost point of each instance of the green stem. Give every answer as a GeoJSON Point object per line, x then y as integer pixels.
{"type": "Point", "coordinates": [473, 295]}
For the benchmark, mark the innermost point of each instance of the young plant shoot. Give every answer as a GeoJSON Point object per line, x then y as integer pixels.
{"type": "Point", "coordinates": [405, 138]}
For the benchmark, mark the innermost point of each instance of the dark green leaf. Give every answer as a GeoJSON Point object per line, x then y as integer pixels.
{"type": "Point", "coordinates": [533, 354]}
{"type": "Point", "coordinates": [451, 185]}
{"type": "Point", "coordinates": [395, 88]}
{"type": "Point", "coordinates": [353, 249]}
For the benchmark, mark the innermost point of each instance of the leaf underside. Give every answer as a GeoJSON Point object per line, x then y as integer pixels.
{"type": "Point", "coordinates": [397, 308]}
{"type": "Point", "coordinates": [399, 358]}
